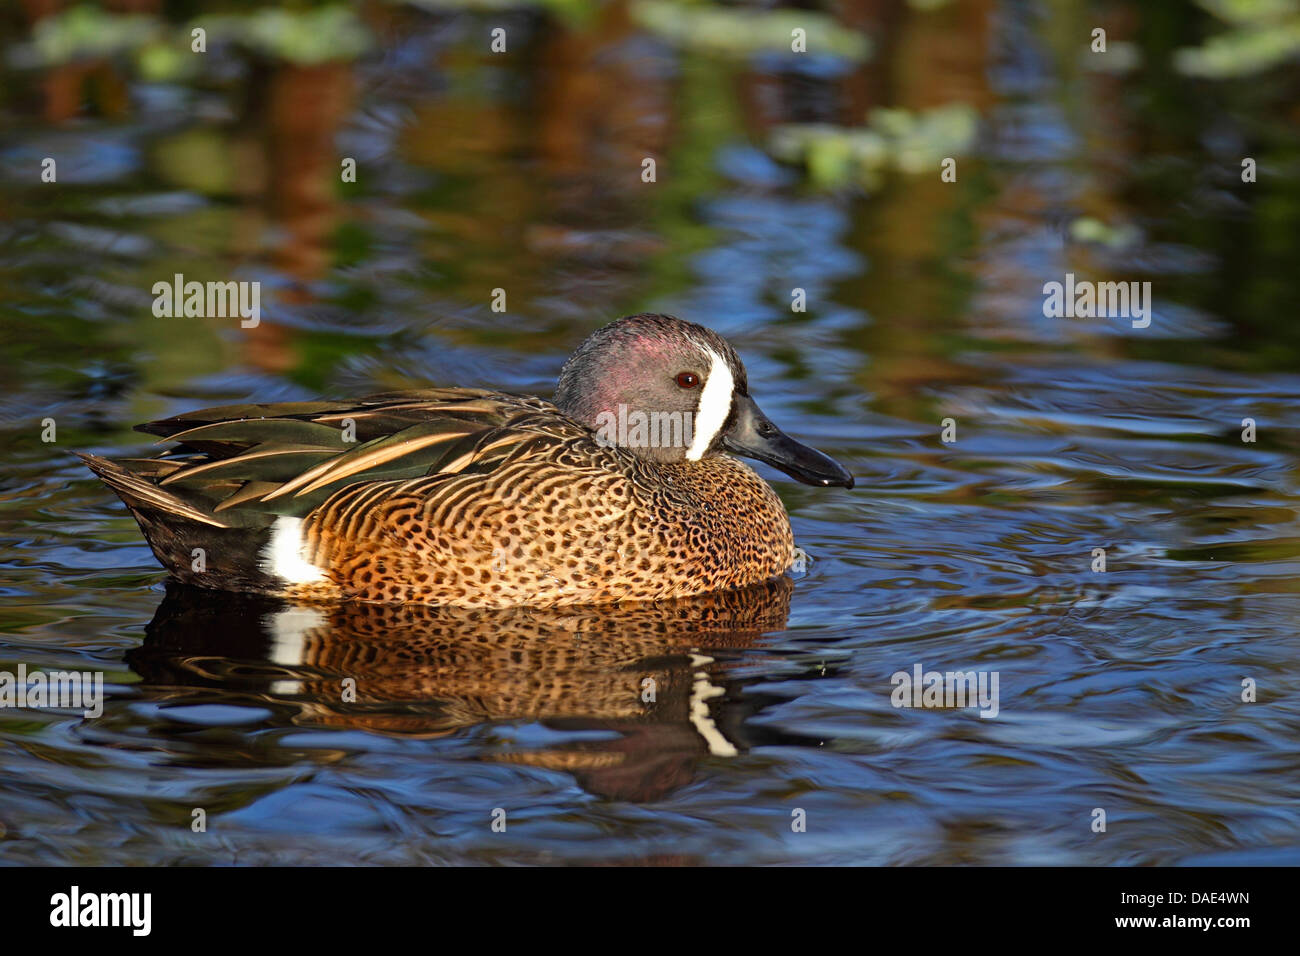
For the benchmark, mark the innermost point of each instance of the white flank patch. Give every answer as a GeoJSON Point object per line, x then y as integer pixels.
{"type": "Point", "coordinates": [283, 554]}
{"type": "Point", "coordinates": [714, 407]}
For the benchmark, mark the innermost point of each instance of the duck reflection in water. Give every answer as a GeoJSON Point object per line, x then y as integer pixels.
{"type": "Point", "coordinates": [642, 671]}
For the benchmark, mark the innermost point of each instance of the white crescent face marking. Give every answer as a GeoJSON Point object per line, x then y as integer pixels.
{"type": "Point", "coordinates": [283, 553]}
{"type": "Point", "coordinates": [715, 405]}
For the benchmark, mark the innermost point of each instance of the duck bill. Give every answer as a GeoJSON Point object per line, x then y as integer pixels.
{"type": "Point", "coordinates": [752, 434]}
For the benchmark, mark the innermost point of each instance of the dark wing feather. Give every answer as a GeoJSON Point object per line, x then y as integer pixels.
{"type": "Point", "coordinates": [246, 464]}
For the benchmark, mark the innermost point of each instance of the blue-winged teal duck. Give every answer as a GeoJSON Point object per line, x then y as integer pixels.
{"type": "Point", "coordinates": [623, 489]}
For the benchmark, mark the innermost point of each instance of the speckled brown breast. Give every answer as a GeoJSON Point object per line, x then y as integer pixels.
{"type": "Point", "coordinates": [570, 523]}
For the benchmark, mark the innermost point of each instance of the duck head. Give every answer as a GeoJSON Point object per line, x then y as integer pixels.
{"type": "Point", "coordinates": [668, 391]}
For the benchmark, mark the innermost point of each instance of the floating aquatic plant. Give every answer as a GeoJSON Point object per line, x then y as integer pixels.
{"type": "Point", "coordinates": [86, 32]}
{"type": "Point", "coordinates": [739, 31]}
{"type": "Point", "coordinates": [304, 37]}
{"type": "Point", "coordinates": [1261, 34]}
{"type": "Point", "coordinates": [574, 11]}
{"type": "Point", "coordinates": [897, 139]}
{"type": "Point", "coordinates": [163, 53]}
{"type": "Point", "coordinates": [1088, 229]}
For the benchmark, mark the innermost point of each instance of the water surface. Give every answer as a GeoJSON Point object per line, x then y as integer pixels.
{"type": "Point", "coordinates": [1119, 690]}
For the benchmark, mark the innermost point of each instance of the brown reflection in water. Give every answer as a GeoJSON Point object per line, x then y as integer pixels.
{"type": "Point", "coordinates": [290, 171]}
{"type": "Point", "coordinates": [600, 111]}
{"type": "Point", "coordinates": [304, 109]}
{"type": "Point", "coordinates": [430, 672]}
{"type": "Point", "coordinates": [67, 88]}
{"type": "Point", "coordinates": [547, 183]}
{"type": "Point", "coordinates": [923, 60]}
{"type": "Point", "coordinates": [282, 150]}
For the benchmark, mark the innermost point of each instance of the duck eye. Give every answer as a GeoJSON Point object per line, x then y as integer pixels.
{"type": "Point", "coordinates": [687, 379]}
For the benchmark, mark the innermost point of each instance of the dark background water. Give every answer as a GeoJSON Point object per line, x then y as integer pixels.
{"type": "Point", "coordinates": [1119, 690]}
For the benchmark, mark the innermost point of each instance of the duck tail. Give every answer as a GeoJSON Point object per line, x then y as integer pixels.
{"type": "Point", "coordinates": [193, 544]}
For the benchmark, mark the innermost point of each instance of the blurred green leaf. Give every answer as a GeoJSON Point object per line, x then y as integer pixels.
{"type": "Point", "coordinates": [743, 31]}
{"type": "Point", "coordinates": [897, 139]}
